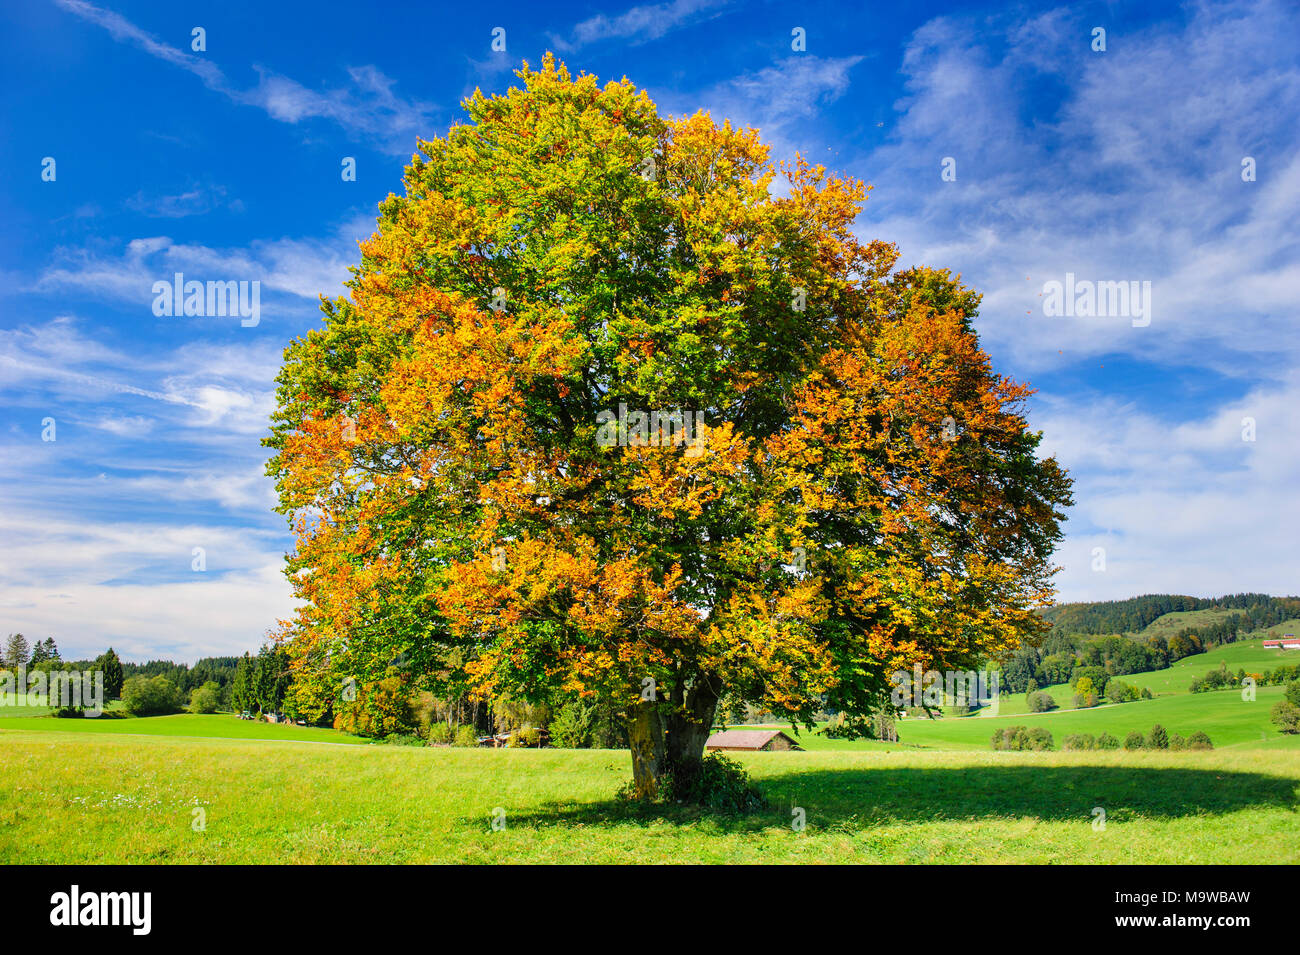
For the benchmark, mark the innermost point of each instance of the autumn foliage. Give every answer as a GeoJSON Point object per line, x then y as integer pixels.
{"type": "Point", "coordinates": [865, 494]}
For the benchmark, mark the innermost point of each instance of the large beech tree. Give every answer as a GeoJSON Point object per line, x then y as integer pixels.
{"type": "Point", "coordinates": [863, 496]}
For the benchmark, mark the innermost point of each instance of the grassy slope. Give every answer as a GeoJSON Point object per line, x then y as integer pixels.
{"type": "Point", "coordinates": [23, 712]}
{"type": "Point", "coordinates": [1249, 655]}
{"type": "Point", "coordinates": [1230, 722]}
{"type": "Point", "coordinates": [1291, 626]}
{"type": "Point", "coordinates": [218, 725]}
{"type": "Point", "coordinates": [1169, 624]}
{"type": "Point", "coordinates": [27, 712]}
{"type": "Point", "coordinates": [290, 802]}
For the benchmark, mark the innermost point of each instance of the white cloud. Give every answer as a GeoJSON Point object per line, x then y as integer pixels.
{"type": "Point", "coordinates": [125, 426]}
{"type": "Point", "coordinates": [781, 100]}
{"type": "Point", "coordinates": [122, 29]}
{"type": "Point", "coordinates": [640, 24]}
{"type": "Point", "coordinates": [1186, 506]}
{"type": "Point", "coordinates": [152, 414]}
{"type": "Point", "coordinates": [193, 201]}
{"type": "Point", "coordinates": [367, 107]}
{"type": "Point", "coordinates": [220, 616]}
{"type": "Point", "coordinates": [90, 583]}
{"type": "Point", "coordinates": [1126, 166]}
{"type": "Point", "coordinates": [1133, 175]}
{"type": "Point", "coordinates": [303, 268]}
{"type": "Point", "coordinates": [795, 88]}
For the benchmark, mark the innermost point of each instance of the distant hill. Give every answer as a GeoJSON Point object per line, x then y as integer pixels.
{"type": "Point", "coordinates": [1251, 612]}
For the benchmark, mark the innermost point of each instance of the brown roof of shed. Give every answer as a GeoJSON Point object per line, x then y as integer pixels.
{"type": "Point", "coordinates": [744, 739]}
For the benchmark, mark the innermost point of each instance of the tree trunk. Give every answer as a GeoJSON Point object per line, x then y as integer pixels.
{"type": "Point", "coordinates": [689, 727]}
{"type": "Point", "coordinates": [645, 736]}
{"type": "Point", "coordinates": [679, 750]}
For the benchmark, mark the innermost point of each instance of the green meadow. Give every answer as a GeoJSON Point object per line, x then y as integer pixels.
{"type": "Point", "coordinates": [1176, 679]}
{"type": "Point", "coordinates": [215, 726]}
{"type": "Point", "coordinates": [216, 789]}
{"type": "Point", "coordinates": [104, 797]}
{"type": "Point", "coordinates": [1229, 721]}
{"type": "Point", "coordinates": [1169, 624]}
{"type": "Point", "coordinates": [1248, 655]}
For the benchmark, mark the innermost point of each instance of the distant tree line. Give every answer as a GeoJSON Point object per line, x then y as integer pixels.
{"type": "Point", "coordinates": [1137, 613]}
{"type": "Point", "coordinates": [1067, 658]}
{"type": "Point", "coordinates": [44, 656]}
{"type": "Point", "coordinates": [158, 686]}
{"type": "Point", "coordinates": [394, 707]}
{"type": "Point", "coordinates": [1088, 639]}
{"type": "Point", "coordinates": [1018, 738]}
{"type": "Point", "coordinates": [1222, 678]}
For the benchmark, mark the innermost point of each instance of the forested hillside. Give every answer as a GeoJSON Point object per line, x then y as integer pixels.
{"type": "Point", "coordinates": [1136, 613]}
{"type": "Point", "coordinates": [1120, 637]}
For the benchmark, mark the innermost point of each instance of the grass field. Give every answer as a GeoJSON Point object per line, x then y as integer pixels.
{"type": "Point", "coordinates": [100, 797]}
{"type": "Point", "coordinates": [1248, 655]}
{"type": "Point", "coordinates": [122, 789]}
{"type": "Point", "coordinates": [23, 712]}
{"type": "Point", "coordinates": [1230, 722]}
{"type": "Point", "coordinates": [216, 726]}
{"type": "Point", "coordinates": [10, 711]}
{"type": "Point", "coordinates": [1169, 624]}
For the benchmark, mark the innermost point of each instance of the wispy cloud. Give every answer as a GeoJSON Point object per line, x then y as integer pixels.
{"type": "Point", "coordinates": [639, 24]}
{"type": "Point", "coordinates": [367, 106]}
{"type": "Point", "coordinates": [196, 200]}
{"type": "Point", "coordinates": [1125, 165]}
{"type": "Point", "coordinates": [783, 100]}
{"type": "Point", "coordinates": [218, 390]}
{"type": "Point", "coordinates": [123, 30]}
{"type": "Point", "coordinates": [798, 87]}
{"type": "Point", "coordinates": [304, 268]}
{"type": "Point", "coordinates": [93, 583]}
{"type": "Point", "coordinates": [1128, 168]}
{"type": "Point", "coordinates": [125, 425]}
{"type": "Point", "coordinates": [1188, 507]}
{"type": "Point", "coordinates": [155, 454]}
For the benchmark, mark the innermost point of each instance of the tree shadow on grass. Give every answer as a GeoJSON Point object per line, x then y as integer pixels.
{"type": "Point", "coordinates": [865, 798]}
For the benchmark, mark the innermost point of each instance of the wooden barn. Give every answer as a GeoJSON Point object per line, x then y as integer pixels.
{"type": "Point", "coordinates": [753, 741]}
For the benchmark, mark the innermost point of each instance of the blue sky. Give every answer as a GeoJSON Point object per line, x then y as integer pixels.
{"type": "Point", "coordinates": [1115, 165]}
